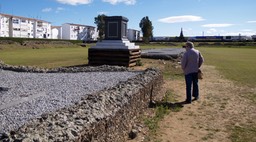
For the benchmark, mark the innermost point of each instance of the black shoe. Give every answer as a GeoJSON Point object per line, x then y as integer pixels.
{"type": "Point", "coordinates": [196, 98]}
{"type": "Point", "coordinates": [187, 102]}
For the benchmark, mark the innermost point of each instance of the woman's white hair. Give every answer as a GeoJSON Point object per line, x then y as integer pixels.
{"type": "Point", "coordinates": [190, 44]}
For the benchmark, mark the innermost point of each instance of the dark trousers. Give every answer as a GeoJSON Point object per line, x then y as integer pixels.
{"type": "Point", "coordinates": [191, 80]}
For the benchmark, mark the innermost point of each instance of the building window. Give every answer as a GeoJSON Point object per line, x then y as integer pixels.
{"type": "Point", "coordinates": [15, 21]}
{"type": "Point", "coordinates": [16, 29]}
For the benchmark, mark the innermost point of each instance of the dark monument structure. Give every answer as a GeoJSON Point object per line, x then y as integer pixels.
{"type": "Point", "coordinates": [115, 49]}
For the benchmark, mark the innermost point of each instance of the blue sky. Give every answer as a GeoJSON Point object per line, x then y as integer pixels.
{"type": "Point", "coordinates": [196, 17]}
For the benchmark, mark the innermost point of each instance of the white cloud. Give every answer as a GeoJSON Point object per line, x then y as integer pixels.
{"type": "Point", "coordinates": [217, 25]}
{"type": "Point", "coordinates": [59, 9]}
{"type": "Point", "coordinates": [128, 2]}
{"type": "Point", "coordinates": [179, 19]}
{"type": "Point", "coordinates": [46, 9]}
{"type": "Point", "coordinates": [251, 21]}
{"type": "Point", "coordinates": [75, 2]}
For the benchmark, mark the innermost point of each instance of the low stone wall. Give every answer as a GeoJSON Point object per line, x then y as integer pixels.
{"type": "Point", "coordinates": [36, 42]}
{"type": "Point", "coordinates": [106, 116]}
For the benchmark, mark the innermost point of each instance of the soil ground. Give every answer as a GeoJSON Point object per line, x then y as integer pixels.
{"type": "Point", "coordinates": [222, 105]}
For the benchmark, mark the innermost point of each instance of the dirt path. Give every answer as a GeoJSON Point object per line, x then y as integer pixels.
{"type": "Point", "coordinates": [222, 104]}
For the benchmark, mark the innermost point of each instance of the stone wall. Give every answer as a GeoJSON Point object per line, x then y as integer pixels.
{"type": "Point", "coordinates": [106, 116]}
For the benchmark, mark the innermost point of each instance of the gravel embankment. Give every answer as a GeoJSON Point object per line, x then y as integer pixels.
{"type": "Point", "coordinates": [165, 53]}
{"type": "Point", "coordinates": [24, 95]}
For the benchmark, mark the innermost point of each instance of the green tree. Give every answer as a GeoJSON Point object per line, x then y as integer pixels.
{"type": "Point", "coordinates": [99, 21]}
{"type": "Point", "coordinates": [146, 28]}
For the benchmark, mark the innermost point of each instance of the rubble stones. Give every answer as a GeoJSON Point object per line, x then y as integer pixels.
{"type": "Point", "coordinates": [33, 69]}
{"type": "Point", "coordinates": [106, 115]}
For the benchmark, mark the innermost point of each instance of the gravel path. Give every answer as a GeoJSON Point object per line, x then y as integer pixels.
{"type": "Point", "coordinates": [24, 96]}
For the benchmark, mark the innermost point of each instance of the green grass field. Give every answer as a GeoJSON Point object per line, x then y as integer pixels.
{"type": "Point", "coordinates": [45, 57]}
{"type": "Point", "coordinates": [236, 63]}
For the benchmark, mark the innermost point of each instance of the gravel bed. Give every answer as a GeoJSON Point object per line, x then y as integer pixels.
{"type": "Point", "coordinates": [164, 53]}
{"type": "Point", "coordinates": [30, 93]}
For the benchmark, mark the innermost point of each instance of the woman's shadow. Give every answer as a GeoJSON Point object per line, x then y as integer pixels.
{"type": "Point", "coordinates": [166, 104]}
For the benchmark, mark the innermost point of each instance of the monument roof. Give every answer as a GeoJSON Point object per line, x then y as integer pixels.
{"type": "Point", "coordinates": [116, 18]}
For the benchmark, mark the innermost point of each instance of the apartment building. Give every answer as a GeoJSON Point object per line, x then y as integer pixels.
{"type": "Point", "coordinates": [133, 35]}
{"type": "Point", "coordinates": [73, 31]}
{"type": "Point", "coordinates": [56, 32]}
{"type": "Point", "coordinates": [16, 26]}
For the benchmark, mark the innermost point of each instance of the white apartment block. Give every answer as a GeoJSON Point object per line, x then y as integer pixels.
{"type": "Point", "coordinates": [78, 32]}
{"type": "Point", "coordinates": [133, 35]}
{"type": "Point", "coordinates": [16, 26]}
{"type": "Point", "coordinates": [56, 32]}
